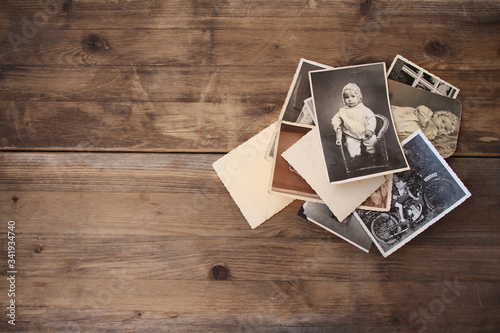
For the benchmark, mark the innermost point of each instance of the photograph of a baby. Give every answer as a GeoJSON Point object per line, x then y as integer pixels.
{"type": "Point", "coordinates": [437, 116]}
{"type": "Point", "coordinates": [353, 114]}
{"type": "Point", "coordinates": [355, 124]}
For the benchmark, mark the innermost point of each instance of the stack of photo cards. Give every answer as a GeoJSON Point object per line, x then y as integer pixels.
{"type": "Point", "coordinates": [337, 146]}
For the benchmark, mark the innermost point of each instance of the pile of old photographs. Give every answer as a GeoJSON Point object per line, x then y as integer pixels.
{"type": "Point", "coordinates": [363, 146]}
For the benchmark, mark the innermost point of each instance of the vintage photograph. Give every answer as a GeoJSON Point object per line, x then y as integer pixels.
{"type": "Point", "coordinates": [420, 197]}
{"type": "Point", "coordinates": [293, 109]}
{"type": "Point", "coordinates": [380, 200]}
{"type": "Point", "coordinates": [349, 230]}
{"type": "Point", "coordinates": [357, 132]}
{"type": "Point", "coordinates": [437, 116]}
{"type": "Point", "coordinates": [285, 179]}
{"type": "Point", "coordinates": [405, 71]}
{"type": "Point", "coordinates": [310, 108]}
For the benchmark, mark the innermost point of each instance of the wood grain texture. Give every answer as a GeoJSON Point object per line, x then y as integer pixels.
{"type": "Point", "coordinates": [112, 113]}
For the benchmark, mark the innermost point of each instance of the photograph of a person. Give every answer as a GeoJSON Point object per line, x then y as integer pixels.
{"type": "Point", "coordinates": [420, 197]}
{"type": "Point", "coordinates": [293, 109]}
{"type": "Point", "coordinates": [357, 132]}
{"type": "Point", "coordinates": [437, 116]}
{"type": "Point", "coordinates": [349, 230]}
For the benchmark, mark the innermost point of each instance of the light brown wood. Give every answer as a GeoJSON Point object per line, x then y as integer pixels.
{"type": "Point", "coordinates": [112, 113]}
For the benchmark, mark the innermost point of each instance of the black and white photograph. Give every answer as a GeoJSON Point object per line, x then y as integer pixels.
{"type": "Point", "coordinates": [420, 197]}
{"type": "Point", "coordinates": [349, 230]}
{"type": "Point", "coordinates": [294, 109]}
{"type": "Point", "coordinates": [357, 132]}
{"type": "Point", "coordinates": [409, 73]}
{"type": "Point", "coordinates": [310, 108]}
{"type": "Point", "coordinates": [437, 116]}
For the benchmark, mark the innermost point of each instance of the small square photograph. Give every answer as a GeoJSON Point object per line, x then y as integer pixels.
{"type": "Point", "coordinates": [286, 180]}
{"type": "Point", "coordinates": [436, 115]}
{"type": "Point", "coordinates": [420, 197]}
{"type": "Point", "coordinates": [381, 199]}
{"type": "Point", "coordinates": [357, 132]}
{"type": "Point", "coordinates": [293, 109]}
{"type": "Point", "coordinates": [404, 71]}
{"type": "Point", "coordinates": [349, 230]}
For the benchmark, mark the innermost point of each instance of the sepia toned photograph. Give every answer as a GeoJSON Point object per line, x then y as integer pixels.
{"type": "Point", "coordinates": [349, 230]}
{"type": "Point", "coordinates": [285, 179]}
{"type": "Point", "coordinates": [407, 72]}
{"type": "Point", "coordinates": [437, 116]}
{"type": "Point", "coordinates": [293, 109]}
{"type": "Point", "coordinates": [356, 128]}
{"type": "Point", "coordinates": [380, 200]}
{"type": "Point", "coordinates": [420, 197]}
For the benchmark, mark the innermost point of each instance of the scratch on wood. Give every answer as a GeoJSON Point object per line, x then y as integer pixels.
{"type": "Point", "coordinates": [101, 86]}
{"type": "Point", "coordinates": [478, 296]}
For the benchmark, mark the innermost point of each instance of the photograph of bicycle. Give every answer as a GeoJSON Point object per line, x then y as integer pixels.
{"type": "Point", "coordinates": [420, 197]}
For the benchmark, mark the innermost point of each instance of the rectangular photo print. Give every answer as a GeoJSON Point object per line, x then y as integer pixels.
{"type": "Point", "coordinates": [421, 196]}
{"type": "Point", "coordinates": [293, 109]}
{"type": "Point", "coordinates": [357, 132]}
{"type": "Point", "coordinates": [407, 72]}
{"type": "Point", "coordinates": [349, 230]}
{"type": "Point", "coordinates": [436, 115]}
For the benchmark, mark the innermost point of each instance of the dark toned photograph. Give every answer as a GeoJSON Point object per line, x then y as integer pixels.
{"type": "Point", "coordinates": [293, 109]}
{"type": "Point", "coordinates": [357, 132]}
{"type": "Point", "coordinates": [409, 73]}
{"type": "Point", "coordinates": [436, 115]}
{"type": "Point", "coordinates": [349, 230]}
{"type": "Point", "coordinates": [420, 197]}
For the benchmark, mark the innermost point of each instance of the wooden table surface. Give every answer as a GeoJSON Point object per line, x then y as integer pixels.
{"type": "Point", "coordinates": [112, 113]}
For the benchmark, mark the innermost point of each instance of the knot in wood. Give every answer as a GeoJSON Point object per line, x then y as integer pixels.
{"type": "Point", "coordinates": [437, 49]}
{"type": "Point", "coordinates": [66, 6]}
{"type": "Point", "coordinates": [365, 7]}
{"type": "Point", "coordinates": [220, 273]}
{"type": "Point", "coordinates": [93, 44]}
{"type": "Point", "coordinates": [15, 199]}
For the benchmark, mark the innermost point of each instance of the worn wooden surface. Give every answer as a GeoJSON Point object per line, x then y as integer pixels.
{"type": "Point", "coordinates": [112, 112]}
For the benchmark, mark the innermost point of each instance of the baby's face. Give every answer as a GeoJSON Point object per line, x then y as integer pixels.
{"type": "Point", "coordinates": [444, 124]}
{"type": "Point", "coordinates": [350, 99]}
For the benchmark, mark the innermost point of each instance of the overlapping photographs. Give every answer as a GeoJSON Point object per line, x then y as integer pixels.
{"type": "Point", "coordinates": [293, 109]}
{"type": "Point", "coordinates": [349, 230]}
{"type": "Point", "coordinates": [357, 132]}
{"type": "Point", "coordinates": [421, 196]}
{"type": "Point", "coordinates": [285, 180]}
{"type": "Point", "coordinates": [407, 72]}
{"type": "Point", "coordinates": [380, 200]}
{"type": "Point", "coordinates": [437, 116]}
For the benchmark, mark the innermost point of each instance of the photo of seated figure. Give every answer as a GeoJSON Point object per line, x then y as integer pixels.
{"type": "Point", "coordinates": [353, 116]}
{"type": "Point", "coordinates": [355, 127]}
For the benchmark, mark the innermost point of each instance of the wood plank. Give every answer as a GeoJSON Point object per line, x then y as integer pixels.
{"type": "Point", "coordinates": [251, 258]}
{"type": "Point", "coordinates": [252, 45]}
{"type": "Point", "coordinates": [80, 304]}
{"type": "Point", "coordinates": [151, 14]}
{"type": "Point", "coordinates": [141, 126]}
